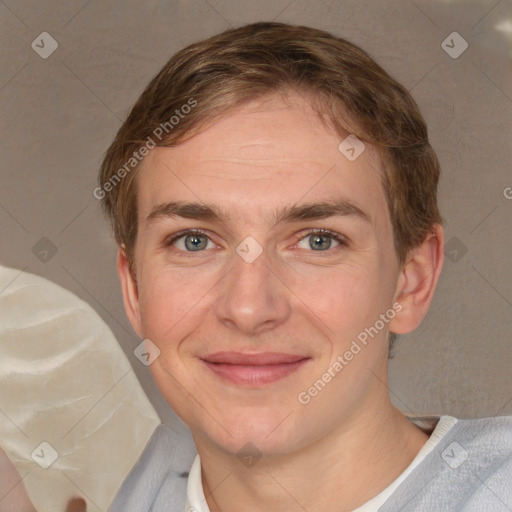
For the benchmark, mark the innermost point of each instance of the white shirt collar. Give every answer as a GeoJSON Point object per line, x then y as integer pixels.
{"type": "Point", "coordinates": [196, 502]}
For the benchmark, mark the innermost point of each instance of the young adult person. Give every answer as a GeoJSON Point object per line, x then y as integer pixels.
{"type": "Point", "coordinates": [273, 194]}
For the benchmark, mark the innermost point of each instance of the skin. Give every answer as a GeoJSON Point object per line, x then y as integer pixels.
{"type": "Point", "coordinates": [349, 442]}
{"type": "Point", "coordinates": [13, 495]}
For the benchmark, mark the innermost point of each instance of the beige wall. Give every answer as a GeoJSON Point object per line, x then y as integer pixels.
{"type": "Point", "coordinates": [58, 115]}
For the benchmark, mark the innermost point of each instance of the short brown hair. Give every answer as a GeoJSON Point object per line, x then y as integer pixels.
{"type": "Point", "coordinates": [347, 87]}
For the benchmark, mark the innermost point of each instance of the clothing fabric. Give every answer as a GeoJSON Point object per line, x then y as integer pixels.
{"type": "Point", "coordinates": [466, 465]}
{"type": "Point", "coordinates": [470, 470]}
{"type": "Point", "coordinates": [158, 481]}
{"type": "Point", "coordinates": [68, 399]}
{"type": "Point", "coordinates": [442, 427]}
{"type": "Point", "coordinates": [196, 501]}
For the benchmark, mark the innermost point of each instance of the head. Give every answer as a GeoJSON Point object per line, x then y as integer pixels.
{"type": "Point", "coordinates": [241, 137]}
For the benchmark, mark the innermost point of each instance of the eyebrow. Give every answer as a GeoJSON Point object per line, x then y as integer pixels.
{"type": "Point", "coordinates": [294, 213]}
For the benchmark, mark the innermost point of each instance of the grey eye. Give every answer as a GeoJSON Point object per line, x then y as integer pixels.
{"type": "Point", "coordinates": [191, 242]}
{"type": "Point", "coordinates": [317, 242]}
{"type": "Point", "coordinates": [195, 242]}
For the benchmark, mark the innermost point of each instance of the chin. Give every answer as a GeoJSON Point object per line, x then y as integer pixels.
{"type": "Point", "coordinates": [259, 431]}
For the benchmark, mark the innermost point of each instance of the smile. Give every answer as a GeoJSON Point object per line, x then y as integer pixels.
{"type": "Point", "coordinates": [253, 369]}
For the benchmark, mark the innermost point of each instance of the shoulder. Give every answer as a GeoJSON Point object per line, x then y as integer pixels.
{"type": "Point", "coordinates": [486, 435]}
{"type": "Point", "coordinates": [158, 481]}
{"type": "Point", "coordinates": [470, 469]}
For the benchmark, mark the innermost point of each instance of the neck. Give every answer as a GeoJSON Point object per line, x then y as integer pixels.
{"type": "Point", "coordinates": [340, 472]}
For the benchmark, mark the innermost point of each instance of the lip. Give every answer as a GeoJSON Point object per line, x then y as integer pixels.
{"type": "Point", "coordinates": [254, 369]}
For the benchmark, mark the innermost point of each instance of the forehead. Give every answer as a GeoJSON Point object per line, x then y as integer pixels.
{"type": "Point", "coordinates": [267, 154]}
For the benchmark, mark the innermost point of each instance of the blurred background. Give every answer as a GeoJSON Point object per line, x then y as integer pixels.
{"type": "Point", "coordinates": [70, 72]}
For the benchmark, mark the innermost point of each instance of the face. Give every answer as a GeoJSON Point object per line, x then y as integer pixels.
{"type": "Point", "coordinates": [262, 254]}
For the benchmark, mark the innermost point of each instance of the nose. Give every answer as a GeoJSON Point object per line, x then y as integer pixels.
{"type": "Point", "coordinates": [253, 298]}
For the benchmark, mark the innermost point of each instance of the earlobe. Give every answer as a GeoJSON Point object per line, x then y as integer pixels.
{"type": "Point", "coordinates": [417, 282]}
{"type": "Point", "coordinates": [129, 289]}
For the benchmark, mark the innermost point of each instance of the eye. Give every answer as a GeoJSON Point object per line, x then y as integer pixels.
{"type": "Point", "coordinates": [320, 240]}
{"type": "Point", "coordinates": [190, 241]}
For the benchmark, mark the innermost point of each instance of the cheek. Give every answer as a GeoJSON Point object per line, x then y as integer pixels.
{"type": "Point", "coordinates": [173, 302]}
{"type": "Point", "coordinates": [343, 298]}
{"type": "Point", "coordinates": [164, 300]}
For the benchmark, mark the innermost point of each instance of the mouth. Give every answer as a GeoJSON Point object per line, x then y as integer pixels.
{"type": "Point", "coordinates": [253, 369]}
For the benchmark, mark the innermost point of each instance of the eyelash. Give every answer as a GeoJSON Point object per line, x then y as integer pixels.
{"type": "Point", "coordinates": [342, 240]}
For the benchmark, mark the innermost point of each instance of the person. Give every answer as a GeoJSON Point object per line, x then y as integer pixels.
{"type": "Point", "coordinates": [273, 193]}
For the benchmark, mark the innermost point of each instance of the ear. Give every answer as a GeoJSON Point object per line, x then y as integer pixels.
{"type": "Point", "coordinates": [417, 282]}
{"type": "Point", "coordinates": [129, 289]}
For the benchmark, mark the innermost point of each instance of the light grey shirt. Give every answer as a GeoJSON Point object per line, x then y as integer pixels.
{"type": "Point", "coordinates": [469, 470]}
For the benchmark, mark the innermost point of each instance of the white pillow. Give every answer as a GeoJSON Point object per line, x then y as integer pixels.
{"type": "Point", "coordinates": [73, 417]}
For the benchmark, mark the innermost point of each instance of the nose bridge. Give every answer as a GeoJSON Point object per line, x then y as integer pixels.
{"type": "Point", "coordinates": [252, 298]}
{"type": "Point", "coordinates": [251, 267]}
